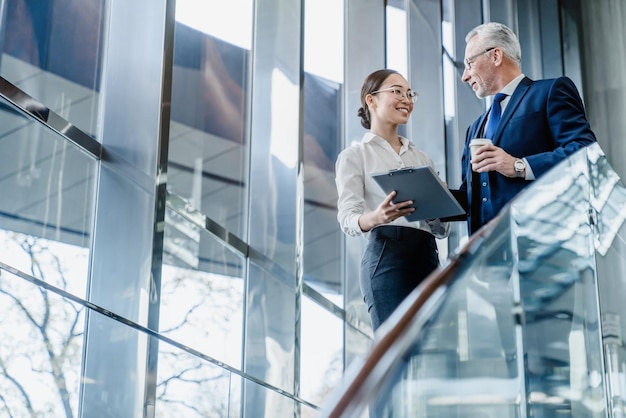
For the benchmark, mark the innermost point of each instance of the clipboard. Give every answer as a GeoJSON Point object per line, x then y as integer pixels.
{"type": "Point", "coordinates": [430, 196]}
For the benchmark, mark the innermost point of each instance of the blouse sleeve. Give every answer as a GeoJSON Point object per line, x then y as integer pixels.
{"type": "Point", "coordinates": [349, 179]}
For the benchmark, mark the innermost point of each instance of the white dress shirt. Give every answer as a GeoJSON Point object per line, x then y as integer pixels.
{"type": "Point", "coordinates": [358, 191]}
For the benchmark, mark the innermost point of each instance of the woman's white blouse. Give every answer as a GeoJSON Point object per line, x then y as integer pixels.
{"type": "Point", "coordinates": [358, 191]}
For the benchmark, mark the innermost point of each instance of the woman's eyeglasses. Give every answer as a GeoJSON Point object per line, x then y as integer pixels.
{"type": "Point", "coordinates": [400, 94]}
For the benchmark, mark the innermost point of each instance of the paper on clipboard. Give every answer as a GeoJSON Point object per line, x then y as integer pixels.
{"type": "Point", "coordinates": [431, 198]}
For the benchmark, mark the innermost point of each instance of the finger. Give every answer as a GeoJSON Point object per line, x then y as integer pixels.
{"type": "Point", "coordinates": [389, 198]}
{"type": "Point", "coordinates": [404, 205]}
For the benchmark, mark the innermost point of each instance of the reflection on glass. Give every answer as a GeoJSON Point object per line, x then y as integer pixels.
{"type": "Point", "coordinates": [190, 387]}
{"type": "Point", "coordinates": [42, 360]}
{"type": "Point", "coordinates": [323, 80]}
{"type": "Point", "coordinates": [47, 201]}
{"type": "Point", "coordinates": [52, 51]}
{"type": "Point", "coordinates": [608, 200]}
{"type": "Point", "coordinates": [41, 342]}
{"type": "Point", "coordinates": [201, 292]}
{"type": "Point", "coordinates": [559, 292]}
{"type": "Point", "coordinates": [270, 333]}
{"type": "Point", "coordinates": [207, 152]}
{"type": "Point", "coordinates": [321, 354]}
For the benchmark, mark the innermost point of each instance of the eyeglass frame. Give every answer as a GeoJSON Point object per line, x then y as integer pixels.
{"type": "Point", "coordinates": [412, 98]}
{"type": "Point", "coordinates": [467, 62]}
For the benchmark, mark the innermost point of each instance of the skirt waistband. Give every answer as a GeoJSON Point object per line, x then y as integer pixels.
{"type": "Point", "coordinates": [400, 233]}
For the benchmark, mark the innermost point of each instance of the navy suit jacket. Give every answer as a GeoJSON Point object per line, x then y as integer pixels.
{"type": "Point", "coordinates": [543, 122]}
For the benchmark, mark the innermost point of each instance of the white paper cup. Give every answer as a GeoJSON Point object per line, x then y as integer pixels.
{"type": "Point", "coordinates": [477, 143]}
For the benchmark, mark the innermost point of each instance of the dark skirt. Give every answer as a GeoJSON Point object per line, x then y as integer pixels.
{"type": "Point", "coordinates": [396, 260]}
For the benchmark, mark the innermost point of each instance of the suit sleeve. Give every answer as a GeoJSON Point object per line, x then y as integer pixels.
{"type": "Point", "coordinates": [568, 124]}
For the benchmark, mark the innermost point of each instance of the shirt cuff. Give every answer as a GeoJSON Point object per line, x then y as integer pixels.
{"type": "Point", "coordinates": [529, 175]}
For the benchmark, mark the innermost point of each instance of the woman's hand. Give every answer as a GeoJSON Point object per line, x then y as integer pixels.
{"type": "Point", "coordinates": [386, 212]}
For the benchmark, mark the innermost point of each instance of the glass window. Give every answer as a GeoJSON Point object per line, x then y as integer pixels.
{"type": "Point", "coordinates": [321, 361]}
{"type": "Point", "coordinates": [207, 151]}
{"type": "Point", "coordinates": [396, 38]}
{"type": "Point", "coordinates": [52, 51]}
{"type": "Point", "coordinates": [323, 81]}
{"type": "Point", "coordinates": [188, 386]}
{"type": "Point", "coordinates": [201, 291]}
{"type": "Point", "coordinates": [46, 210]}
{"type": "Point", "coordinates": [41, 342]}
{"type": "Point", "coordinates": [270, 331]}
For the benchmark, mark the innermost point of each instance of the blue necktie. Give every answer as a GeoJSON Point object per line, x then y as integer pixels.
{"type": "Point", "coordinates": [494, 115]}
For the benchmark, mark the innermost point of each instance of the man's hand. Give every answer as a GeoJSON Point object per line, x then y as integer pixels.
{"type": "Point", "coordinates": [492, 158]}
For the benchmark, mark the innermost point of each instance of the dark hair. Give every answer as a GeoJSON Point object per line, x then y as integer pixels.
{"type": "Point", "coordinates": [372, 83]}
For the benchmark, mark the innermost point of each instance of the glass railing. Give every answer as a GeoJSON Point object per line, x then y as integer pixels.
{"type": "Point", "coordinates": [524, 321]}
{"type": "Point", "coordinates": [42, 373]}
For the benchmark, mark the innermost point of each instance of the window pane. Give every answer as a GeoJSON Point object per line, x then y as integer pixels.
{"type": "Point", "coordinates": [52, 51]}
{"type": "Point", "coordinates": [323, 51]}
{"type": "Point", "coordinates": [321, 361]}
{"type": "Point", "coordinates": [207, 151]}
{"type": "Point", "coordinates": [201, 292]}
{"type": "Point", "coordinates": [41, 342]}
{"type": "Point", "coordinates": [46, 218]}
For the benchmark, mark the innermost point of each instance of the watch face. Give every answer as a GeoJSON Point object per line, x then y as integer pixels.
{"type": "Point", "coordinates": [519, 165]}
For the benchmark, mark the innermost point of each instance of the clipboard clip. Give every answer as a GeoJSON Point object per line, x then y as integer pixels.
{"type": "Point", "coordinates": [403, 169]}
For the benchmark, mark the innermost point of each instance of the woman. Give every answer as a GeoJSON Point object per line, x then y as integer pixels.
{"type": "Point", "coordinates": [399, 253]}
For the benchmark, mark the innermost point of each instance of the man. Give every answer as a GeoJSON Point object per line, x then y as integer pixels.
{"type": "Point", "coordinates": [542, 122]}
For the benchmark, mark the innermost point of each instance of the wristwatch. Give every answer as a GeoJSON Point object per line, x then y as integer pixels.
{"type": "Point", "coordinates": [520, 166]}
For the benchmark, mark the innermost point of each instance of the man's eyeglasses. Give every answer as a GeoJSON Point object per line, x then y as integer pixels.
{"type": "Point", "coordinates": [400, 94]}
{"type": "Point", "coordinates": [468, 61]}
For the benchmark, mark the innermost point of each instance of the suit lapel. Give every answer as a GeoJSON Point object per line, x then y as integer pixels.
{"type": "Point", "coordinates": [514, 101]}
{"type": "Point", "coordinates": [477, 130]}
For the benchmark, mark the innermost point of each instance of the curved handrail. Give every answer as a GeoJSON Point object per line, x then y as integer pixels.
{"type": "Point", "coordinates": [403, 320]}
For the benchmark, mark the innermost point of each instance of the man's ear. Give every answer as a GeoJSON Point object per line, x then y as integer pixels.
{"type": "Point", "coordinates": [497, 56]}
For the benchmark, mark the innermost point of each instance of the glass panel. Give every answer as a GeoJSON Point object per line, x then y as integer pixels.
{"type": "Point", "coordinates": [357, 343]}
{"type": "Point", "coordinates": [270, 404]}
{"type": "Point", "coordinates": [608, 200]}
{"type": "Point", "coordinates": [190, 387]}
{"type": "Point", "coordinates": [41, 366]}
{"type": "Point", "coordinates": [321, 352]}
{"type": "Point", "coordinates": [41, 342]}
{"type": "Point", "coordinates": [355, 307]}
{"type": "Point", "coordinates": [52, 51]}
{"type": "Point", "coordinates": [323, 65]}
{"type": "Point", "coordinates": [47, 201]}
{"type": "Point", "coordinates": [270, 331]}
{"type": "Point", "coordinates": [563, 352]}
{"type": "Point", "coordinates": [201, 291]}
{"type": "Point", "coordinates": [207, 150]}
{"type": "Point", "coordinates": [396, 37]}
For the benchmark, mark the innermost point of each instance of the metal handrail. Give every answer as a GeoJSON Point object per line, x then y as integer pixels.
{"type": "Point", "coordinates": [50, 119]}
